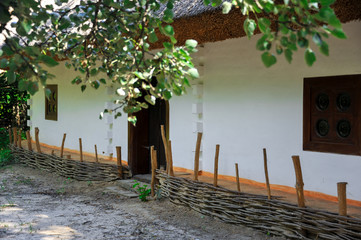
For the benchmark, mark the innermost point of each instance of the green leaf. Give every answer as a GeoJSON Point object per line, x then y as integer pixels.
{"type": "Point", "coordinates": [327, 2]}
{"type": "Point", "coordinates": [26, 25]}
{"type": "Point", "coordinates": [249, 26]}
{"type": "Point", "coordinates": [335, 22]}
{"type": "Point", "coordinates": [216, 3]}
{"type": "Point", "coordinates": [190, 43]}
{"type": "Point", "coordinates": [168, 30]}
{"type": "Point", "coordinates": [47, 93]}
{"type": "Point", "coordinates": [49, 61]}
{"type": "Point", "coordinates": [227, 6]}
{"type": "Point", "coordinates": [193, 72]}
{"type": "Point", "coordinates": [23, 85]}
{"type": "Point", "coordinates": [150, 99]}
{"type": "Point", "coordinates": [139, 75]}
{"type": "Point", "coordinates": [95, 84]}
{"type": "Point", "coordinates": [167, 95]}
{"type": "Point", "coordinates": [83, 87]}
{"type": "Point", "coordinates": [132, 120]}
{"type": "Point", "coordinates": [268, 59]}
{"type": "Point", "coordinates": [93, 72]}
{"type": "Point", "coordinates": [339, 33]}
{"type": "Point", "coordinates": [261, 43]}
{"type": "Point", "coordinates": [33, 87]}
{"type": "Point", "coordinates": [102, 80]}
{"type": "Point", "coordinates": [10, 76]}
{"type": "Point", "coordinates": [288, 55]}
{"type": "Point", "coordinates": [302, 42]}
{"type": "Point", "coordinates": [168, 45]}
{"type": "Point", "coordinates": [324, 48]}
{"type": "Point", "coordinates": [153, 37]}
{"type": "Point", "coordinates": [310, 57]}
{"type": "Point", "coordinates": [317, 39]}
{"type": "Point", "coordinates": [3, 63]}
{"type": "Point", "coordinates": [264, 24]}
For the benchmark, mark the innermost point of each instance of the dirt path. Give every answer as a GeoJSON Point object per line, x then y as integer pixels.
{"type": "Point", "coordinates": [37, 205]}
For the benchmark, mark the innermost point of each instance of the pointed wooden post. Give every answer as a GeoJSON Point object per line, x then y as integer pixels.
{"type": "Point", "coordinates": [19, 139]}
{"type": "Point", "coordinates": [96, 153]}
{"type": "Point", "coordinates": [266, 173]}
{"type": "Point", "coordinates": [165, 144]}
{"type": "Point", "coordinates": [28, 137]}
{"type": "Point", "coordinates": [342, 200]}
{"type": "Point", "coordinates": [10, 136]}
{"type": "Point", "coordinates": [154, 164]}
{"type": "Point", "coordinates": [171, 172]}
{"type": "Point", "coordinates": [196, 157]}
{"type": "Point", "coordinates": [299, 181]}
{"type": "Point", "coordinates": [119, 162]}
{"type": "Point", "coordinates": [15, 134]}
{"type": "Point", "coordinates": [81, 150]}
{"type": "Point", "coordinates": [215, 180]}
{"type": "Point", "coordinates": [37, 140]}
{"type": "Point", "coordinates": [237, 179]}
{"type": "Point", "coordinates": [62, 146]}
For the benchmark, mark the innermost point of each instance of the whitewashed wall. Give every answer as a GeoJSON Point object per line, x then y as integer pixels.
{"type": "Point", "coordinates": [237, 102]}
{"type": "Point", "coordinates": [247, 107]}
{"type": "Point", "coordinates": [78, 117]}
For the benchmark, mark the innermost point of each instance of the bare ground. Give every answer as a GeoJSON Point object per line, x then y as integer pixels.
{"type": "Point", "coordinates": [38, 205]}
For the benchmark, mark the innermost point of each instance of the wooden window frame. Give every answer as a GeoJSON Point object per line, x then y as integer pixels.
{"type": "Point", "coordinates": [52, 115]}
{"type": "Point", "coordinates": [333, 142]}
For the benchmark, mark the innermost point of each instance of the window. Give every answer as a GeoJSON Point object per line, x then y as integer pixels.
{"type": "Point", "coordinates": [51, 103]}
{"type": "Point", "coordinates": [332, 114]}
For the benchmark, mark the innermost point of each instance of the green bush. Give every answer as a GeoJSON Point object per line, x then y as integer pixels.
{"type": "Point", "coordinates": [5, 154]}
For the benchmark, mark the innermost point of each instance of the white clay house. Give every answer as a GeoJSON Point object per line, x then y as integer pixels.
{"type": "Point", "coordinates": [290, 109]}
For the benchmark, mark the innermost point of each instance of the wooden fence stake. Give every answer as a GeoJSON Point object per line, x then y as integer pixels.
{"type": "Point", "coordinates": [62, 146]}
{"type": "Point", "coordinates": [10, 136]}
{"type": "Point", "coordinates": [153, 156]}
{"type": "Point", "coordinates": [171, 172]}
{"type": "Point", "coordinates": [215, 180]}
{"type": "Point", "coordinates": [15, 134]}
{"type": "Point", "coordinates": [81, 150]}
{"type": "Point", "coordinates": [299, 181]}
{"type": "Point", "coordinates": [196, 157]}
{"type": "Point", "coordinates": [342, 202]}
{"type": "Point", "coordinates": [165, 144]}
{"type": "Point", "coordinates": [19, 139]}
{"type": "Point", "coordinates": [53, 152]}
{"type": "Point", "coordinates": [68, 156]}
{"type": "Point", "coordinates": [237, 178]}
{"type": "Point", "coordinates": [37, 140]}
{"type": "Point", "coordinates": [96, 153]}
{"type": "Point", "coordinates": [119, 161]}
{"type": "Point", "coordinates": [266, 173]}
{"type": "Point", "coordinates": [28, 137]}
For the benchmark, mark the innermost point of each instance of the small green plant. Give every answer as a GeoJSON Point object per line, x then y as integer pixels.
{"type": "Point", "coordinates": [143, 191]}
{"type": "Point", "coordinates": [5, 157]}
{"type": "Point", "coordinates": [3, 185]}
{"type": "Point", "coordinates": [23, 180]}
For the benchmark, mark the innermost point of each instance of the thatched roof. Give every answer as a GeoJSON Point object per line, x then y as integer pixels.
{"type": "Point", "coordinates": [193, 20]}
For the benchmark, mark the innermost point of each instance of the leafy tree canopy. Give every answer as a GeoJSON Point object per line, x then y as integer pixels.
{"type": "Point", "coordinates": [109, 41]}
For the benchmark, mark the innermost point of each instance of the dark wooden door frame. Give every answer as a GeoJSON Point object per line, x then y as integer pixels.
{"type": "Point", "coordinates": [146, 134]}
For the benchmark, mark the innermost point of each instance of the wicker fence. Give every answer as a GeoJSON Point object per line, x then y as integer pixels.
{"type": "Point", "coordinates": [82, 171]}
{"type": "Point", "coordinates": [270, 216]}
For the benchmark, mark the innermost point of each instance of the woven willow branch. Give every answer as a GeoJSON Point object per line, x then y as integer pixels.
{"type": "Point", "coordinates": [256, 211]}
{"type": "Point", "coordinates": [82, 171]}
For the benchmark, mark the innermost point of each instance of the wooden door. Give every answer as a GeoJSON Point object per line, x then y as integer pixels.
{"type": "Point", "coordinates": [146, 133]}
